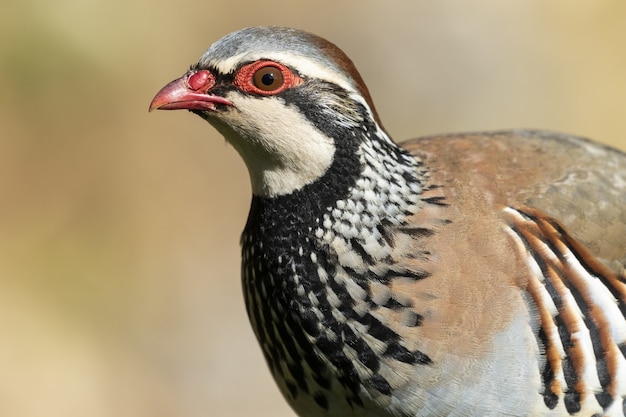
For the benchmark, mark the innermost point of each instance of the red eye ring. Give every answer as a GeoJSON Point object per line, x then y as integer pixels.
{"type": "Point", "coordinates": [265, 78]}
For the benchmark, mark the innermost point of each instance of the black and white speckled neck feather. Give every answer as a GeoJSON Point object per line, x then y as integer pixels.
{"type": "Point", "coordinates": [310, 259]}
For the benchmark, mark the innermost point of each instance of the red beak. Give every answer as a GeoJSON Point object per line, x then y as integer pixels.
{"type": "Point", "coordinates": [188, 92]}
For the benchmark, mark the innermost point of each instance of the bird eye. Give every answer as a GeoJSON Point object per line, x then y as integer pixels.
{"type": "Point", "coordinates": [268, 78]}
{"type": "Point", "coordinates": [265, 78]}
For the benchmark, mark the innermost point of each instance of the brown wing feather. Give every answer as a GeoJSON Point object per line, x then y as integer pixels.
{"type": "Point", "coordinates": [578, 182]}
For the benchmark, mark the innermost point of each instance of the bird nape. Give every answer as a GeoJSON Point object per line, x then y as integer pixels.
{"type": "Point", "coordinates": [478, 274]}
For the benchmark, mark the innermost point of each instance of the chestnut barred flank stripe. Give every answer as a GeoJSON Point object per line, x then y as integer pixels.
{"type": "Point", "coordinates": [479, 274]}
{"type": "Point", "coordinates": [582, 306]}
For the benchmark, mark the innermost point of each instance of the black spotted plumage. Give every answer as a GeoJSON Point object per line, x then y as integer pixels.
{"type": "Point", "coordinates": [277, 240]}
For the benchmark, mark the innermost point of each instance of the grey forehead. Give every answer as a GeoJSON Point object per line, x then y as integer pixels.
{"type": "Point", "coordinates": [268, 39]}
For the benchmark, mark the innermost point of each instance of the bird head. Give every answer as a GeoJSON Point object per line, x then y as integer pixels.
{"type": "Point", "coordinates": [286, 100]}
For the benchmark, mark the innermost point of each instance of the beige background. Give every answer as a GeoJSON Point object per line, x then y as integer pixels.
{"type": "Point", "coordinates": [119, 282]}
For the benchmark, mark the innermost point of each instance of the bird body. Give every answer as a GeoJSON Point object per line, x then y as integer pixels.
{"type": "Point", "coordinates": [457, 275]}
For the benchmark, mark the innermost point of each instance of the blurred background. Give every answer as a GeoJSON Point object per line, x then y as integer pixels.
{"type": "Point", "coordinates": [119, 256]}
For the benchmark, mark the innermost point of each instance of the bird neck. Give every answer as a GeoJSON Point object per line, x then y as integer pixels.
{"type": "Point", "coordinates": [371, 183]}
{"type": "Point", "coordinates": [313, 255]}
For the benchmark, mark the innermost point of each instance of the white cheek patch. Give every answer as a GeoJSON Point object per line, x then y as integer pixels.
{"type": "Point", "coordinates": [281, 148]}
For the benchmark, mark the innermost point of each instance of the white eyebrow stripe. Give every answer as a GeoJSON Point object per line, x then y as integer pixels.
{"type": "Point", "coordinates": [306, 67]}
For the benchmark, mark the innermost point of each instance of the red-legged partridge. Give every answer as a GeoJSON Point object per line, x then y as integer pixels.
{"type": "Point", "coordinates": [478, 274]}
